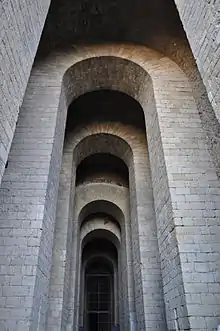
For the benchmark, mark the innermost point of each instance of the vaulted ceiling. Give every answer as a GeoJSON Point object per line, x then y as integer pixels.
{"type": "Point", "coordinates": [153, 23]}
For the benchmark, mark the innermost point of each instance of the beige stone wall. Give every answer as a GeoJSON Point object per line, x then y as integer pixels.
{"type": "Point", "coordinates": [21, 25]}
{"type": "Point", "coordinates": [185, 186]}
{"type": "Point", "coordinates": [141, 219]}
{"type": "Point", "coordinates": [200, 20]}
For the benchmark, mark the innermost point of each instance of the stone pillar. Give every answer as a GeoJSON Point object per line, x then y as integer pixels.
{"type": "Point", "coordinates": [203, 17]}
{"type": "Point", "coordinates": [28, 198]}
{"type": "Point", "coordinates": [63, 245]}
{"type": "Point", "coordinates": [187, 204]}
{"type": "Point", "coordinates": [145, 248]}
{"type": "Point", "coordinates": [21, 27]}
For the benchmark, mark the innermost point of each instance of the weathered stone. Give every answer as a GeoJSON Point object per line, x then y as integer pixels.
{"type": "Point", "coordinates": [147, 122]}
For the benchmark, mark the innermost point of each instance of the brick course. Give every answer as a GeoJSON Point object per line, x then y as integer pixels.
{"type": "Point", "coordinates": [181, 166]}
{"type": "Point", "coordinates": [21, 25]}
{"type": "Point", "coordinates": [200, 20]}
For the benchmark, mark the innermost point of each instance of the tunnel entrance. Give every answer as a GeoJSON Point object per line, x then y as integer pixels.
{"type": "Point", "coordinates": [99, 296]}
{"type": "Point", "coordinates": [100, 285]}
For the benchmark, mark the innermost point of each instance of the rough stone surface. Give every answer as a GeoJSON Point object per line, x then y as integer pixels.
{"type": "Point", "coordinates": [105, 143]}
{"type": "Point", "coordinates": [201, 23]}
{"type": "Point", "coordinates": [154, 23]}
{"type": "Point", "coordinates": [21, 25]}
{"type": "Point", "coordinates": [28, 204]}
{"type": "Point", "coordinates": [183, 194]}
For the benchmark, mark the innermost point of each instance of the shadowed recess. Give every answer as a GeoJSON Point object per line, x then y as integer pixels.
{"type": "Point", "coordinates": [81, 21]}
{"type": "Point", "coordinates": [102, 168]}
{"type": "Point", "coordinates": [105, 106]}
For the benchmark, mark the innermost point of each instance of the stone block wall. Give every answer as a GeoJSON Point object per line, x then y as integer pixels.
{"type": "Point", "coordinates": [190, 177]}
{"type": "Point", "coordinates": [179, 121]}
{"type": "Point", "coordinates": [142, 217]}
{"type": "Point", "coordinates": [61, 261]}
{"type": "Point", "coordinates": [191, 271]}
{"type": "Point", "coordinates": [21, 25]}
{"type": "Point", "coordinates": [28, 197]}
{"type": "Point", "coordinates": [201, 21]}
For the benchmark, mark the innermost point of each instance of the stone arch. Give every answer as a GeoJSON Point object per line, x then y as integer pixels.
{"type": "Point", "coordinates": [118, 135]}
{"type": "Point", "coordinates": [141, 67]}
{"type": "Point", "coordinates": [116, 206]}
{"type": "Point", "coordinates": [133, 144]}
{"type": "Point", "coordinates": [156, 72]}
{"type": "Point", "coordinates": [110, 195]}
{"type": "Point", "coordinates": [74, 149]}
{"type": "Point", "coordinates": [102, 167]}
{"type": "Point", "coordinates": [108, 235]}
{"type": "Point", "coordinates": [102, 142]}
{"type": "Point", "coordinates": [123, 76]}
{"type": "Point", "coordinates": [169, 107]}
{"type": "Point", "coordinates": [97, 223]}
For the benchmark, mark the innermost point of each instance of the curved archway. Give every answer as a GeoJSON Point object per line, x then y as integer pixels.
{"type": "Point", "coordinates": [102, 167]}
{"type": "Point", "coordinates": [126, 87]}
{"type": "Point", "coordinates": [101, 142]}
{"type": "Point", "coordinates": [100, 205]}
{"type": "Point", "coordinates": [108, 191]}
{"type": "Point", "coordinates": [99, 281]}
{"type": "Point", "coordinates": [155, 72]}
{"type": "Point", "coordinates": [145, 85]}
{"type": "Point", "coordinates": [100, 224]}
{"type": "Point", "coordinates": [97, 69]}
{"type": "Point", "coordinates": [165, 95]}
{"type": "Point", "coordinates": [105, 105]}
{"type": "Point", "coordinates": [104, 227]}
{"type": "Point", "coordinates": [102, 191]}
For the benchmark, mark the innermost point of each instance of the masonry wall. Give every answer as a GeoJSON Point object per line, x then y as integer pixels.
{"type": "Point", "coordinates": [143, 229]}
{"type": "Point", "coordinates": [60, 279]}
{"type": "Point", "coordinates": [189, 211]}
{"type": "Point", "coordinates": [21, 25]}
{"type": "Point", "coordinates": [200, 19]}
{"type": "Point", "coordinates": [117, 197]}
{"type": "Point", "coordinates": [193, 174]}
{"type": "Point", "coordinates": [177, 114]}
{"type": "Point", "coordinates": [28, 198]}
